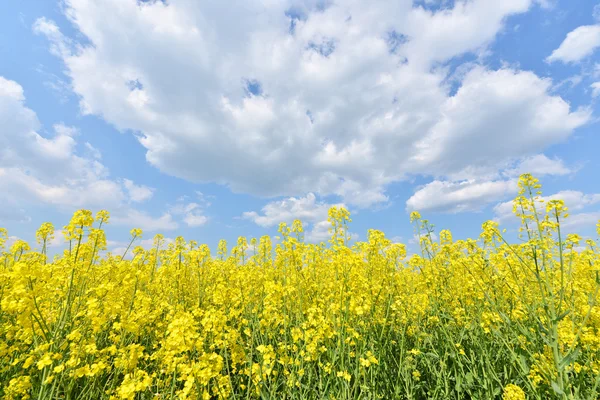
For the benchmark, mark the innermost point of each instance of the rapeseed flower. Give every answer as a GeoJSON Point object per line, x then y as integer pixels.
{"type": "Point", "coordinates": [295, 319]}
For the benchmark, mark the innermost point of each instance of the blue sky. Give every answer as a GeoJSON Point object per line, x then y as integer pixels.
{"type": "Point", "coordinates": [211, 120]}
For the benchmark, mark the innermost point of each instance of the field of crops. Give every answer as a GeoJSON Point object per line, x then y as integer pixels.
{"type": "Point", "coordinates": [473, 319]}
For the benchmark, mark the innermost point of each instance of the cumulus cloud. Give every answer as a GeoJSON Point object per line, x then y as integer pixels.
{"type": "Point", "coordinates": [579, 44]}
{"type": "Point", "coordinates": [192, 211]}
{"type": "Point", "coordinates": [304, 208]}
{"type": "Point", "coordinates": [38, 169]}
{"type": "Point", "coordinates": [494, 117]}
{"type": "Point", "coordinates": [308, 209]}
{"type": "Point", "coordinates": [138, 219]}
{"type": "Point", "coordinates": [10, 241]}
{"type": "Point", "coordinates": [416, 240]}
{"type": "Point", "coordinates": [319, 232]}
{"type": "Point", "coordinates": [302, 96]}
{"type": "Point", "coordinates": [137, 193]}
{"type": "Point", "coordinates": [540, 165]}
{"type": "Point", "coordinates": [576, 222]}
{"type": "Point", "coordinates": [119, 247]}
{"type": "Point", "coordinates": [195, 220]}
{"type": "Point", "coordinates": [574, 200]}
{"type": "Point", "coordinates": [454, 197]}
{"type": "Point", "coordinates": [595, 89]}
{"type": "Point", "coordinates": [487, 187]}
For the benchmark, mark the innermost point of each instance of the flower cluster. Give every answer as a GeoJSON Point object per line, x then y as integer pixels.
{"type": "Point", "coordinates": [464, 319]}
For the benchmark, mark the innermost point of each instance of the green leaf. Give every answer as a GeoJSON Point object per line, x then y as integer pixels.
{"type": "Point", "coordinates": [523, 362]}
{"type": "Point", "coordinates": [568, 359]}
{"type": "Point", "coordinates": [469, 378]}
{"type": "Point", "coordinates": [562, 316]}
{"type": "Point", "coordinates": [557, 389]}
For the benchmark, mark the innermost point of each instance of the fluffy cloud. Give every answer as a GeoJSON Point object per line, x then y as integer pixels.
{"type": "Point", "coordinates": [540, 165]}
{"type": "Point", "coordinates": [416, 240]}
{"type": "Point", "coordinates": [494, 117]}
{"type": "Point", "coordinates": [195, 220]}
{"type": "Point", "coordinates": [42, 168]}
{"type": "Point", "coordinates": [575, 201]}
{"type": "Point", "coordinates": [192, 212]}
{"type": "Point", "coordinates": [454, 197]}
{"type": "Point", "coordinates": [307, 96]}
{"type": "Point", "coordinates": [576, 222]}
{"type": "Point", "coordinates": [475, 193]}
{"type": "Point", "coordinates": [119, 247]}
{"type": "Point", "coordinates": [595, 89]}
{"type": "Point", "coordinates": [10, 241]}
{"type": "Point", "coordinates": [137, 219]}
{"type": "Point", "coordinates": [579, 44]}
{"type": "Point", "coordinates": [307, 209]}
{"type": "Point", "coordinates": [48, 170]}
{"type": "Point", "coordinates": [304, 208]}
{"type": "Point", "coordinates": [137, 193]}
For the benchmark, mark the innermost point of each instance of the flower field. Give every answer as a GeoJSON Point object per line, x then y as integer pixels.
{"type": "Point", "coordinates": [465, 319]}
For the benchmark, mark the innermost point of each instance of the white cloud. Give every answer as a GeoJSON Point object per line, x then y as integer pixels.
{"type": "Point", "coordinates": [193, 213]}
{"type": "Point", "coordinates": [504, 211]}
{"type": "Point", "coordinates": [149, 243]}
{"type": "Point", "coordinates": [319, 232]}
{"type": "Point", "coordinates": [306, 209]}
{"type": "Point", "coordinates": [59, 239]}
{"type": "Point", "coordinates": [138, 219]}
{"type": "Point", "coordinates": [579, 44]}
{"type": "Point", "coordinates": [574, 200]}
{"type": "Point", "coordinates": [311, 212]}
{"type": "Point", "coordinates": [580, 221]}
{"type": "Point", "coordinates": [101, 193]}
{"type": "Point", "coordinates": [415, 238]}
{"type": "Point", "coordinates": [10, 241]}
{"type": "Point", "coordinates": [397, 239]}
{"type": "Point", "coordinates": [539, 165]}
{"type": "Point", "coordinates": [92, 151]}
{"type": "Point", "coordinates": [38, 169]}
{"type": "Point", "coordinates": [476, 132]}
{"type": "Point", "coordinates": [343, 100]}
{"type": "Point", "coordinates": [137, 193]}
{"type": "Point", "coordinates": [195, 220]}
{"type": "Point", "coordinates": [119, 247]}
{"type": "Point", "coordinates": [474, 194]}
{"type": "Point", "coordinates": [454, 197]}
{"type": "Point", "coordinates": [595, 89]}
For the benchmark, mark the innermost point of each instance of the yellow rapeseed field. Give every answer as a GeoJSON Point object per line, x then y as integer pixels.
{"type": "Point", "coordinates": [465, 319]}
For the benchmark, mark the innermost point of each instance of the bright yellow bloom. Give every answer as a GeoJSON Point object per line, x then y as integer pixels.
{"type": "Point", "coordinates": [513, 392]}
{"type": "Point", "coordinates": [344, 375]}
{"type": "Point", "coordinates": [272, 320]}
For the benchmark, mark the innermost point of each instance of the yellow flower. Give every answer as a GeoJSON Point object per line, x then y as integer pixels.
{"type": "Point", "coordinates": [415, 216]}
{"type": "Point", "coordinates": [271, 318]}
{"type": "Point", "coordinates": [45, 233]}
{"type": "Point", "coordinates": [136, 233]}
{"type": "Point", "coordinates": [28, 362]}
{"type": "Point", "coordinates": [3, 237]}
{"type": "Point", "coordinates": [344, 374]}
{"type": "Point", "coordinates": [513, 392]}
{"type": "Point", "coordinates": [415, 352]}
{"type": "Point", "coordinates": [45, 361]}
